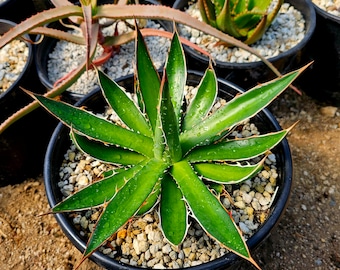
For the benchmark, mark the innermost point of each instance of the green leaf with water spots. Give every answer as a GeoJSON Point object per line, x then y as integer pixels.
{"type": "Point", "coordinates": [125, 108]}
{"type": "Point", "coordinates": [106, 153]}
{"type": "Point", "coordinates": [96, 127]}
{"type": "Point", "coordinates": [148, 80]}
{"type": "Point", "coordinates": [176, 74]}
{"type": "Point", "coordinates": [98, 192]}
{"type": "Point", "coordinates": [208, 210]}
{"type": "Point", "coordinates": [235, 111]}
{"type": "Point", "coordinates": [227, 173]}
{"type": "Point", "coordinates": [125, 204]}
{"type": "Point", "coordinates": [173, 212]}
{"type": "Point", "coordinates": [237, 149]}
{"type": "Point", "coordinates": [203, 100]}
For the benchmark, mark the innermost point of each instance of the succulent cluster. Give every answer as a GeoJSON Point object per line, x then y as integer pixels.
{"type": "Point", "coordinates": [166, 153]}
{"type": "Point", "coordinates": [246, 20]}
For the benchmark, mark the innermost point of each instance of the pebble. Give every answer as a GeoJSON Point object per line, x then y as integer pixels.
{"type": "Point", "coordinates": [328, 111]}
{"type": "Point", "coordinates": [286, 31]}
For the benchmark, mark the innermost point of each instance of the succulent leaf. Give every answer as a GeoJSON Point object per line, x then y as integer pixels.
{"type": "Point", "coordinates": [235, 111]}
{"type": "Point", "coordinates": [203, 100]}
{"type": "Point", "coordinates": [227, 173]}
{"type": "Point", "coordinates": [170, 122]}
{"type": "Point", "coordinates": [173, 212]}
{"type": "Point", "coordinates": [97, 128]}
{"type": "Point", "coordinates": [147, 75]}
{"type": "Point", "coordinates": [106, 153]}
{"type": "Point", "coordinates": [126, 203]}
{"type": "Point", "coordinates": [176, 74]}
{"type": "Point", "coordinates": [125, 108]}
{"type": "Point", "coordinates": [151, 201]}
{"type": "Point", "coordinates": [104, 189]}
{"type": "Point", "coordinates": [243, 19]}
{"type": "Point", "coordinates": [207, 209]}
{"type": "Point", "coordinates": [237, 149]}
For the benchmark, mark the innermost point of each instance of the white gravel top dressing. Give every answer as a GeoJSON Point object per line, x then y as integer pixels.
{"type": "Point", "coordinates": [13, 58]}
{"type": "Point", "coordinates": [141, 242]}
{"type": "Point", "coordinates": [67, 56]}
{"type": "Point", "coordinates": [331, 6]}
{"type": "Point", "coordinates": [286, 31]}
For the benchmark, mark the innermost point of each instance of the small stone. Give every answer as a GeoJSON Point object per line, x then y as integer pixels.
{"type": "Point", "coordinates": [84, 222]}
{"type": "Point", "coordinates": [166, 249]}
{"type": "Point", "coordinates": [328, 111]}
{"type": "Point", "coordinates": [240, 204]}
{"type": "Point", "coordinates": [244, 228]}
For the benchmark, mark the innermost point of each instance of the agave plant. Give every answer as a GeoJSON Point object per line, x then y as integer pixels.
{"type": "Point", "coordinates": [246, 20]}
{"type": "Point", "coordinates": [164, 152]}
{"type": "Point", "coordinates": [87, 16]}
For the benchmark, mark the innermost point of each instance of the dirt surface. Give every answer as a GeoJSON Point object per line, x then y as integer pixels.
{"type": "Point", "coordinates": [307, 237]}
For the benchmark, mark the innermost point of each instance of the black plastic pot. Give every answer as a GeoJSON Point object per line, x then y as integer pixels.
{"type": "Point", "coordinates": [22, 145]}
{"type": "Point", "coordinates": [250, 74]}
{"type": "Point", "coordinates": [265, 121]}
{"type": "Point", "coordinates": [322, 81]}
{"type": "Point", "coordinates": [16, 10]}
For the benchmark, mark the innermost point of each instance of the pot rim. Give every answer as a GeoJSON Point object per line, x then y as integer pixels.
{"type": "Point", "coordinates": [326, 15]}
{"type": "Point", "coordinates": [226, 260]}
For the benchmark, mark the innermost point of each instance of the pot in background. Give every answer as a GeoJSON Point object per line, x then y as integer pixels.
{"type": "Point", "coordinates": [250, 74]}
{"type": "Point", "coordinates": [17, 10]}
{"type": "Point", "coordinates": [322, 81]}
{"type": "Point", "coordinates": [22, 145]}
{"type": "Point", "coordinates": [95, 102]}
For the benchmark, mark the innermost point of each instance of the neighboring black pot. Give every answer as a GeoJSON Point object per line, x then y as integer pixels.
{"type": "Point", "coordinates": [250, 74]}
{"type": "Point", "coordinates": [322, 81]}
{"type": "Point", "coordinates": [16, 10]}
{"type": "Point", "coordinates": [22, 145]}
{"type": "Point", "coordinates": [60, 142]}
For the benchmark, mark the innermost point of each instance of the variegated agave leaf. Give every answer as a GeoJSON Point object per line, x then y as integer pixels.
{"type": "Point", "coordinates": [243, 19]}
{"type": "Point", "coordinates": [166, 151]}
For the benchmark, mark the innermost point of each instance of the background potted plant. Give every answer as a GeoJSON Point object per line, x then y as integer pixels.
{"type": "Point", "coordinates": [257, 24]}
{"type": "Point", "coordinates": [88, 15]}
{"type": "Point", "coordinates": [163, 150]}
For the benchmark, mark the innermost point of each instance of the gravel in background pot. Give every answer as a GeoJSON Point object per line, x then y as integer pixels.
{"type": "Point", "coordinates": [55, 59]}
{"type": "Point", "coordinates": [235, 65]}
{"type": "Point", "coordinates": [16, 70]}
{"type": "Point", "coordinates": [60, 143]}
{"type": "Point", "coordinates": [322, 81]}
